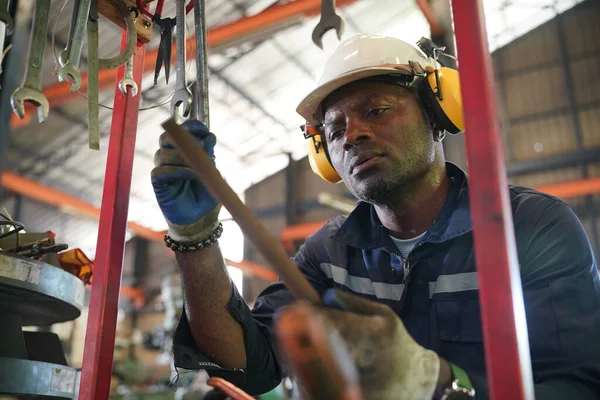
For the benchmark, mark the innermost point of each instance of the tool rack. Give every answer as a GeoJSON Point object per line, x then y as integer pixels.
{"type": "Point", "coordinates": [504, 327]}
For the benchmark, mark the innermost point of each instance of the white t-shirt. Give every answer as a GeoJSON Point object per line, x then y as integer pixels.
{"type": "Point", "coordinates": [406, 245]}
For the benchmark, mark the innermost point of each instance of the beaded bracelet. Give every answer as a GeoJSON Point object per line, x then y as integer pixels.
{"type": "Point", "coordinates": [194, 246]}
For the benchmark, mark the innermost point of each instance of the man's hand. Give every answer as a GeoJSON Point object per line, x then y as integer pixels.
{"type": "Point", "coordinates": [391, 365]}
{"type": "Point", "coordinates": [190, 211]}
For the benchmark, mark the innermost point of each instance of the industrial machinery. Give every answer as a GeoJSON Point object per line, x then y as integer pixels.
{"type": "Point", "coordinates": [35, 292]}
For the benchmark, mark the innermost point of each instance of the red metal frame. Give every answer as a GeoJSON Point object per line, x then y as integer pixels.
{"type": "Point", "coordinates": [501, 296]}
{"type": "Point", "coordinates": [102, 320]}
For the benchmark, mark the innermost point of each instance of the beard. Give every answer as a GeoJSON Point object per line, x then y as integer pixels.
{"type": "Point", "coordinates": [375, 191]}
{"type": "Point", "coordinates": [384, 186]}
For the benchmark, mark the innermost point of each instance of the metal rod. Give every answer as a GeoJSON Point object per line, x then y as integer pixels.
{"type": "Point", "coordinates": [501, 297]}
{"type": "Point", "coordinates": [102, 321]}
{"type": "Point", "coordinates": [201, 62]}
{"type": "Point", "coordinates": [253, 229]}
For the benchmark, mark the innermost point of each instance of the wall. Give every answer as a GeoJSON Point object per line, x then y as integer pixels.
{"type": "Point", "coordinates": [549, 95]}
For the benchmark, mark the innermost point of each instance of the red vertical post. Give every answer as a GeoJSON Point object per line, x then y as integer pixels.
{"type": "Point", "coordinates": [503, 314]}
{"type": "Point", "coordinates": [102, 320]}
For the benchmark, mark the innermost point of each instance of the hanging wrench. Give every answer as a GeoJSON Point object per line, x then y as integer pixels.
{"type": "Point", "coordinates": [182, 96]}
{"type": "Point", "coordinates": [31, 88]}
{"type": "Point", "coordinates": [201, 88]}
{"type": "Point", "coordinates": [71, 57]}
{"type": "Point", "coordinates": [127, 81]}
{"type": "Point", "coordinates": [329, 20]}
{"type": "Point", "coordinates": [93, 78]}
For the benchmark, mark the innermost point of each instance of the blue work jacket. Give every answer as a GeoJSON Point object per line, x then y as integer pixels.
{"type": "Point", "coordinates": [439, 304]}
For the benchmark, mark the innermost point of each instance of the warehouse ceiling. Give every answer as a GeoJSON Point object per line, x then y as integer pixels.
{"type": "Point", "coordinates": [254, 87]}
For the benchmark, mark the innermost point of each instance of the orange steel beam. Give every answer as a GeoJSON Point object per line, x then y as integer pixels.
{"type": "Point", "coordinates": [300, 231]}
{"type": "Point", "coordinates": [579, 188]}
{"type": "Point", "coordinates": [254, 269]}
{"type": "Point", "coordinates": [60, 93]}
{"type": "Point", "coordinates": [48, 195]}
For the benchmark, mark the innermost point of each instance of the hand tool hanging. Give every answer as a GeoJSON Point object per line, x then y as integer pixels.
{"type": "Point", "coordinates": [166, 25]}
{"type": "Point", "coordinates": [201, 89]}
{"type": "Point", "coordinates": [127, 82]}
{"type": "Point", "coordinates": [163, 58]}
{"type": "Point", "coordinates": [85, 15]}
{"type": "Point", "coordinates": [70, 57]}
{"type": "Point", "coordinates": [95, 64]}
{"type": "Point", "coordinates": [31, 88]}
{"type": "Point", "coordinates": [182, 98]}
{"type": "Point", "coordinates": [329, 20]}
{"type": "Point", "coordinates": [127, 53]}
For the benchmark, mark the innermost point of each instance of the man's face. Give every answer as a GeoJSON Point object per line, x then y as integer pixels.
{"type": "Point", "coordinates": [378, 138]}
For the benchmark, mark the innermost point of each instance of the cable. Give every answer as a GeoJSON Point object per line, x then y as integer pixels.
{"type": "Point", "coordinates": [162, 103]}
{"type": "Point", "coordinates": [55, 24]}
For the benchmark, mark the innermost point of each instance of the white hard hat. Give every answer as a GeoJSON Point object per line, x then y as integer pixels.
{"type": "Point", "coordinates": [362, 56]}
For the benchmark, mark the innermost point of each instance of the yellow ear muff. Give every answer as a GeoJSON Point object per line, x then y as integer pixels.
{"type": "Point", "coordinates": [318, 160]}
{"type": "Point", "coordinates": [448, 110]}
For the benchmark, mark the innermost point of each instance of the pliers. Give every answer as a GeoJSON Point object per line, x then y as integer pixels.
{"type": "Point", "coordinates": [166, 36]}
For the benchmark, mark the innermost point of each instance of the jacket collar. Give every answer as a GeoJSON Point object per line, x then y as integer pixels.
{"type": "Point", "coordinates": [362, 228]}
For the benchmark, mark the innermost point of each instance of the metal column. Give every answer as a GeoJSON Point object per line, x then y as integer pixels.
{"type": "Point", "coordinates": [503, 314]}
{"type": "Point", "coordinates": [100, 333]}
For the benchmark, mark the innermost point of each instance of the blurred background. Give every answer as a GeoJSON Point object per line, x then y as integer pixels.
{"type": "Point", "coordinates": [546, 54]}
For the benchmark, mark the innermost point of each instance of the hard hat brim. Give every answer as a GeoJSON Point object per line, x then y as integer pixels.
{"type": "Point", "coordinates": [309, 106]}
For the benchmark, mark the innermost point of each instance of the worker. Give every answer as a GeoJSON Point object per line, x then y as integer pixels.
{"type": "Point", "coordinates": [401, 265]}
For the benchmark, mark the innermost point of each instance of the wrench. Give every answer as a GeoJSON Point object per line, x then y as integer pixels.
{"type": "Point", "coordinates": [201, 88]}
{"type": "Point", "coordinates": [71, 57]}
{"type": "Point", "coordinates": [127, 52]}
{"type": "Point", "coordinates": [195, 108]}
{"type": "Point", "coordinates": [127, 81]}
{"type": "Point", "coordinates": [93, 83]}
{"type": "Point", "coordinates": [329, 20]}
{"type": "Point", "coordinates": [31, 88]}
{"type": "Point", "coordinates": [182, 96]}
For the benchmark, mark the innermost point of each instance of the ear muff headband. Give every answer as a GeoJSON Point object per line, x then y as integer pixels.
{"type": "Point", "coordinates": [442, 93]}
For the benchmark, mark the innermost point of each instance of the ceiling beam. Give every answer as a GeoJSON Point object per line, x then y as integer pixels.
{"type": "Point", "coordinates": [245, 29]}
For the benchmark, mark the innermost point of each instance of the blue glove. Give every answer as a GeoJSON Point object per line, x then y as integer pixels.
{"type": "Point", "coordinates": [189, 209]}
